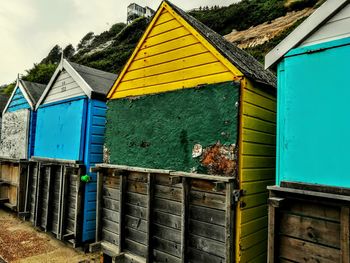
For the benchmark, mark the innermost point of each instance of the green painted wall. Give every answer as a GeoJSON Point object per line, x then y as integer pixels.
{"type": "Point", "coordinates": [160, 131]}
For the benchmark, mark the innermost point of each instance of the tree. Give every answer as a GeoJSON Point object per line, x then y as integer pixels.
{"type": "Point", "coordinates": [54, 56]}
{"type": "Point", "coordinates": [85, 40]}
{"type": "Point", "coordinates": [68, 51]}
{"type": "Point", "coordinates": [40, 73]}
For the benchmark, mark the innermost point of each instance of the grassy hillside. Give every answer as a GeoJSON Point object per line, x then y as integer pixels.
{"type": "Point", "coordinates": [110, 50]}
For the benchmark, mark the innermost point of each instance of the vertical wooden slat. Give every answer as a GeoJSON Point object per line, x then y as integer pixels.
{"type": "Point", "coordinates": [229, 217]}
{"type": "Point", "coordinates": [58, 235]}
{"type": "Point", "coordinates": [344, 221]}
{"type": "Point", "coordinates": [78, 211]}
{"type": "Point", "coordinates": [99, 206]}
{"type": "Point", "coordinates": [150, 188]}
{"type": "Point", "coordinates": [274, 203]}
{"type": "Point", "coordinates": [37, 194]}
{"type": "Point", "coordinates": [184, 218]}
{"type": "Point", "coordinates": [28, 177]}
{"type": "Point", "coordinates": [271, 235]}
{"type": "Point", "coordinates": [64, 201]}
{"type": "Point", "coordinates": [122, 187]}
{"type": "Point", "coordinates": [22, 187]}
{"type": "Point", "coordinates": [48, 194]}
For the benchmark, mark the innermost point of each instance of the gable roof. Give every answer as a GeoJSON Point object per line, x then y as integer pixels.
{"type": "Point", "coordinates": [34, 90]}
{"type": "Point", "coordinates": [244, 62]}
{"type": "Point", "coordinates": [236, 62]}
{"type": "Point", "coordinates": [307, 28]}
{"type": "Point", "coordinates": [92, 81]}
{"type": "Point", "coordinates": [31, 92]}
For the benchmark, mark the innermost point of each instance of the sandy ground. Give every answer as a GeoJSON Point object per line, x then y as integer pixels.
{"type": "Point", "coordinates": [20, 242]}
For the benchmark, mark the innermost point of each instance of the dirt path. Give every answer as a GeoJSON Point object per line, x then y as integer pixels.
{"type": "Point", "coordinates": [20, 242]}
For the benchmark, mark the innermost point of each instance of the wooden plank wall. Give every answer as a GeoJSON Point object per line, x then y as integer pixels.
{"type": "Point", "coordinates": [13, 177]}
{"type": "Point", "coordinates": [163, 219]}
{"type": "Point", "coordinates": [308, 229]}
{"type": "Point", "coordinates": [54, 199]}
{"type": "Point", "coordinates": [257, 170]}
{"type": "Point", "coordinates": [170, 57]}
{"type": "Point", "coordinates": [65, 87]}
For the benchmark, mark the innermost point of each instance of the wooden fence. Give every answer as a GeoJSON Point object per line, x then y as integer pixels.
{"type": "Point", "coordinates": [13, 182]}
{"type": "Point", "coordinates": [147, 215]}
{"type": "Point", "coordinates": [308, 224]}
{"type": "Point", "coordinates": [54, 198]}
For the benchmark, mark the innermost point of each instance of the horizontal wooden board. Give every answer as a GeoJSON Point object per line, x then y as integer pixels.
{"type": "Point", "coordinates": [170, 193]}
{"type": "Point", "coordinates": [261, 101]}
{"type": "Point", "coordinates": [207, 245]}
{"type": "Point", "coordinates": [254, 200]}
{"type": "Point", "coordinates": [207, 215]}
{"type": "Point", "coordinates": [302, 251]}
{"type": "Point", "coordinates": [253, 226]}
{"type": "Point", "coordinates": [258, 174]}
{"type": "Point", "coordinates": [258, 137]}
{"type": "Point", "coordinates": [253, 252]}
{"type": "Point", "coordinates": [258, 162]}
{"type": "Point", "coordinates": [166, 219]}
{"type": "Point", "coordinates": [136, 223]}
{"type": "Point", "coordinates": [167, 206]}
{"type": "Point", "coordinates": [258, 112]}
{"type": "Point", "coordinates": [162, 257]}
{"type": "Point", "coordinates": [138, 236]}
{"type": "Point", "coordinates": [310, 229]}
{"type": "Point", "coordinates": [256, 187]}
{"type": "Point", "coordinates": [166, 233]}
{"type": "Point", "coordinates": [166, 246]}
{"type": "Point", "coordinates": [164, 27]}
{"type": "Point", "coordinates": [207, 230]}
{"type": "Point", "coordinates": [196, 256]}
{"type": "Point", "coordinates": [253, 239]}
{"type": "Point", "coordinates": [256, 124]}
{"type": "Point", "coordinates": [184, 52]}
{"type": "Point", "coordinates": [215, 201]}
{"type": "Point", "coordinates": [136, 248]}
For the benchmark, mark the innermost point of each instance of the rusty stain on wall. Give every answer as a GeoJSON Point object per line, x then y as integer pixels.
{"type": "Point", "coordinates": [14, 134]}
{"type": "Point", "coordinates": [219, 159]}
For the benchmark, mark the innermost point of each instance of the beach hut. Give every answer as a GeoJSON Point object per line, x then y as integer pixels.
{"type": "Point", "coordinates": [70, 129]}
{"type": "Point", "coordinates": [309, 210]}
{"type": "Point", "coordinates": [197, 114]}
{"type": "Point", "coordinates": [19, 120]}
{"type": "Point", "coordinates": [17, 142]}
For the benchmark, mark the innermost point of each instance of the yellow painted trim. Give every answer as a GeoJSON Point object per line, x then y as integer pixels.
{"type": "Point", "coordinates": [165, 7]}
{"type": "Point", "coordinates": [240, 173]}
{"type": "Point", "coordinates": [205, 42]}
{"type": "Point", "coordinates": [138, 47]}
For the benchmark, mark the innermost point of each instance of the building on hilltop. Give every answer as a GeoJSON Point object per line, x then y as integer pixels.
{"type": "Point", "coordinates": [135, 11]}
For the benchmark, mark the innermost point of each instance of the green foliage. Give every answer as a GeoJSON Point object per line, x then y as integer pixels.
{"type": "Point", "coordinates": [7, 89]}
{"type": "Point", "coordinates": [40, 73]}
{"type": "Point", "coordinates": [54, 56]}
{"type": "Point", "coordinates": [84, 41]}
{"type": "Point", "coordinates": [68, 51]}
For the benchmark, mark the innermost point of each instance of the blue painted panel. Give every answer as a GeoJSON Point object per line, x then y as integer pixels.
{"type": "Point", "coordinates": [18, 102]}
{"type": "Point", "coordinates": [313, 118]}
{"type": "Point", "coordinates": [60, 130]}
{"type": "Point", "coordinates": [93, 154]}
{"type": "Point", "coordinates": [32, 131]}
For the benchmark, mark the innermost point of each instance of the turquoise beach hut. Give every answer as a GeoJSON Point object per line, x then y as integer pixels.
{"type": "Point", "coordinates": [313, 98]}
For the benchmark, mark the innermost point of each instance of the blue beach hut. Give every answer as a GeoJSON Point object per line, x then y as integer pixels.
{"type": "Point", "coordinates": [19, 120]}
{"type": "Point", "coordinates": [71, 124]}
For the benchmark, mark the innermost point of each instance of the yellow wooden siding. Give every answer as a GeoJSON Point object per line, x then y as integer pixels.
{"type": "Point", "coordinates": [257, 170]}
{"type": "Point", "coordinates": [171, 55]}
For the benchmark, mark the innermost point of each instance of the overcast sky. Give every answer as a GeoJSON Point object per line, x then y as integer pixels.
{"type": "Point", "coordinates": [30, 28]}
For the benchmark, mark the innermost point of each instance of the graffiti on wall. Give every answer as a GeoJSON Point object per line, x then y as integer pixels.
{"type": "Point", "coordinates": [14, 134]}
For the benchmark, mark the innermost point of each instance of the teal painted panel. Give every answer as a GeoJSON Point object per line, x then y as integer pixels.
{"type": "Point", "coordinates": [60, 132]}
{"type": "Point", "coordinates": [18, 102]}
{"type": "Point", "coordinates": [313, 117]}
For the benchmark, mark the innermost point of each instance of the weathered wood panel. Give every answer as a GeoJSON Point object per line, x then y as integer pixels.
{"type": "Point", "coordinates": [165, 218]}
{"type": "Point", "coordinates": [14, 134]}
{"type": "Point", "coordinates": [308, 230]}
{"type": "Point", "coordinates": [54, 198]}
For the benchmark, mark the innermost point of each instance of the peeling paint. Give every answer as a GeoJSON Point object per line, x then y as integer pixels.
{"type": "Point", "coordinates": [219, 159]}
{"type": "Point", "coordinates": [197, 150]}
{"type": "Point", "coordinates": [14, 134]}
